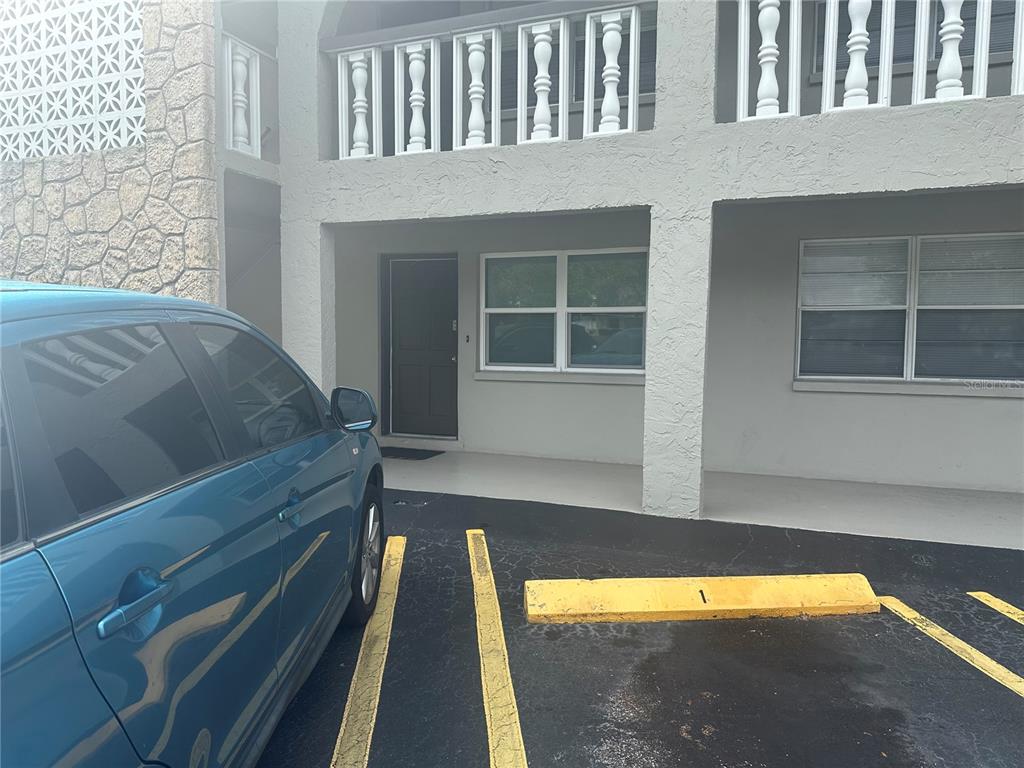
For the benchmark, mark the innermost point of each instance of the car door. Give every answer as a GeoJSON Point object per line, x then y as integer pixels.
{"type": "Point", "coordinates": [162, 540]}
{"type": "Point", "coordinates": [50, 712]}
{"type": "Point", "coordinates": [309, 465]}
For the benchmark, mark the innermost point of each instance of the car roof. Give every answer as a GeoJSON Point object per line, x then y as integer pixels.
{"type": "Point", "coordinates": [23, 300]}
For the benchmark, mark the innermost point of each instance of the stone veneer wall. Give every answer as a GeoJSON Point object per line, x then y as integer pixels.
{"type": "Point", "coordinates": [143, 217]}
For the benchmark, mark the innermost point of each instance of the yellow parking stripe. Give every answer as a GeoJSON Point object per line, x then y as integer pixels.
{"type": "Point", "coordinates": [352, 749]}
{"type": "Point", "coordinates": [1002, 606]}
{"type": "Point", "coordinates": [971, 655]}
{"type": "Point", "coordinates": [504, 737]}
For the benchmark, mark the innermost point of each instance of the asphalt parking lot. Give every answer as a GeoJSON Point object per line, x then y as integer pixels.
{"type": "Point", "coordinates": [864, 690]}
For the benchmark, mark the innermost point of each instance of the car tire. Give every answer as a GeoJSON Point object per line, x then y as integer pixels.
{"type": "Point", "coordinates": [369, 560]}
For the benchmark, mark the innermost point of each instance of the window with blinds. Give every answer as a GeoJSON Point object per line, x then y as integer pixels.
{"type": "Point", "coordinates": [853, 307]}
{"type": "Point", "coordinates": [949, 307]}
{"type": "Point", "coordinates": [970, 308]}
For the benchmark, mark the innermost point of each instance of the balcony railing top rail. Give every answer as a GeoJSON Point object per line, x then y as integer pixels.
{"type": "Point", "coordinates": [474, 44]}
{"type": "Point", "coordinates": [446, 29]}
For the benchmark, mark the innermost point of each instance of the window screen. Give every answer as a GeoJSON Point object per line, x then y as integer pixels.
{"type": "Point", "coordinates": [970, 308]}
{"type": "Point", "coordinates": [615, 285]}
{"type": "Point", "coordinates": [853, 307]}
{"type": "Point", "coordinates": [511, 285]}
{"type": "Point", "coordinates": [272, 399]}
{"type": "Point", "coordinates": [119, 414]}
{"type": "Point", "coordinates": [582, 309]}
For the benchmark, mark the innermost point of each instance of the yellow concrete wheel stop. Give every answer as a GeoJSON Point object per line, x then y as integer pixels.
{"type": "Point", "coordinates": [574, 601]}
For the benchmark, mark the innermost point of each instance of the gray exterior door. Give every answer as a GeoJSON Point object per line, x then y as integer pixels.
{"type": "Point", "coordinates": [424, 343]}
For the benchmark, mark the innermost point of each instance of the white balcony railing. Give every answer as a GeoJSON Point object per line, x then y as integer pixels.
{"type": "Point", "coordinates": [244, 86]}
{"type": "Point", "coordinates": [542, 111]}
{"type": "Point", "coordinates": [948, 81]}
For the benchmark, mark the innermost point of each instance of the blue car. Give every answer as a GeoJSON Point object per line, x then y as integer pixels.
{"type": "Point", "coordinates": [185, 520]}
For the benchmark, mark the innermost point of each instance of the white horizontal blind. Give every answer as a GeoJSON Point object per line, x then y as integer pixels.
{"type": "Point", "coordinates": [854, 273]}
{"type": "Point", "coordinates": [969, 322]}
{"type": "Point", "coordinates": [853, 307]}
{"type": "Point", "coordinates": [974, 271]}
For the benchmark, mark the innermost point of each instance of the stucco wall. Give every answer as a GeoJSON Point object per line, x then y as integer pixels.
{"type": "Point", "coordinates": [755, 422]}
{"type": "Point", "coordinates": [142, 217]}
{"type": "Point", "coordinates": [254, 288]}
{"type": "Point", "coordinates": [678, 169]}
{"type": "Point", "coordinates": [598, 422]}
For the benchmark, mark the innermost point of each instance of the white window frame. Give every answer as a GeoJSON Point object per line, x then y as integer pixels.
{"type": "Point", "coordinates": [911, 306]}
{"type": "Point", "coordinates": [561, 310]}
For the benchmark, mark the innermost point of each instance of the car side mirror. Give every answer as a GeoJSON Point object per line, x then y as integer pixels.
{"type": "Point", "coordinates": [353, 409]}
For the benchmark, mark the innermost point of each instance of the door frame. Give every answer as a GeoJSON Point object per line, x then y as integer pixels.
{"type": "Point", "coordinates": [386, 259]}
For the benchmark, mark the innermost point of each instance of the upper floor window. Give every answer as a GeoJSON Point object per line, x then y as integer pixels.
{"type": "Point", "coordinates": [564, 310]}
{"type": "Point", "coordinates": [943, 307]}
{"type": "Point", "coordinates": [1001, 40]}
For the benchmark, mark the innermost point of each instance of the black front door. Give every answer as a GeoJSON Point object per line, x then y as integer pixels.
{"type": "Point", "coordinates": [424, 306]}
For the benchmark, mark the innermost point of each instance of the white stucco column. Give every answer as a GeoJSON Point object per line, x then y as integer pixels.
{"type": "Point", "coordinates": [308, 298]}
{"type": "Point", "coordinates": [677, 308]}
{"type": "Point", "coordinates": [307, 247]}
{"type": "Point", "coordinates": [686, 66]}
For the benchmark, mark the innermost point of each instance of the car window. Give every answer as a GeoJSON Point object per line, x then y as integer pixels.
{"type": "Point", "coordinates": [9, 527]}
{"type": "Point", "coordinates": [119, 414]}
{"type": "Point", "coordinates": [272, 399]}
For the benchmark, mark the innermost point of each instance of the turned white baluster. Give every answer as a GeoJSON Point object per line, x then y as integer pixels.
{"type": "Point", "coordinates": [417, 70]}
{"type": "Point", "coordinates": [239, 99]}
{"type": "Point", "coordinates": [768, 57]}
{"type": "Point", "coordinates": [857, 43]}
{"type": "Point", "coordinates": [80, 361]}
{"type": "Point", "coordinates": [360, 132]}
{"type": "Point", "coordinates": [476, 58]}
{"type": "Point", "coordinates": [542, 81]}
{"type": "Point", "coordinates": [950, 70]}
{"type": "Point", "coordinates": [611, 42]}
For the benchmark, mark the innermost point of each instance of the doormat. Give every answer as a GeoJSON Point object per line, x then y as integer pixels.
{"type": "Point", "coordinates": [412, 454]}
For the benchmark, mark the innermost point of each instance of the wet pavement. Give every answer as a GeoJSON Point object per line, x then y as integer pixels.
{"type": "Point", "coordinates": [866, 690]}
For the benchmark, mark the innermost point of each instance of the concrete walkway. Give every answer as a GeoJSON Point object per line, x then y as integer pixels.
{"type": "Point", "coordinates": [980, 518]}
{"type": "Point", "coordinates": [555, 481]}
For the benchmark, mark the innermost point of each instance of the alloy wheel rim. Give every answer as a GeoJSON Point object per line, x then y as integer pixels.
{"type": "Point", "coordinates": [371, 554]}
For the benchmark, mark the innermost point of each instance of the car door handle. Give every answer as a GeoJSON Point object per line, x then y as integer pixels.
{"type": "Point", "coordinates": [121, 617]}
{"type": "Point", "coordinates": [291, 510]}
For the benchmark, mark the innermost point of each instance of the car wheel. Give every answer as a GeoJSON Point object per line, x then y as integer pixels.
{"type": "Point", "coordinates": [369, 559]}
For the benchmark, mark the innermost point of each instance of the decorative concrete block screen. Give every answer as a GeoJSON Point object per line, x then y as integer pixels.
{"type": "Point", "coordinates": [70, 76]}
